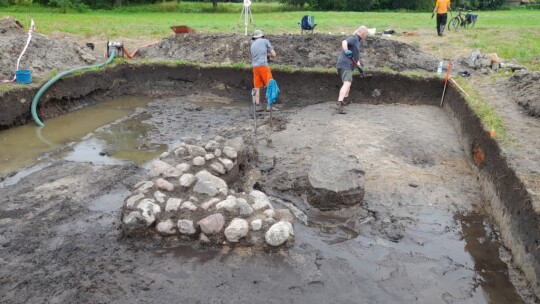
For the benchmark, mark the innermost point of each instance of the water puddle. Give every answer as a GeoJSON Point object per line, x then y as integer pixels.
{"type": "Point", "coordinates": [110, 202]}
{"type": "Point", "coordinates": [483, 246]}
{"type": "Point", "coordinates": [125, 140]}
{"type": "Point", "coordinates": [23, 145]}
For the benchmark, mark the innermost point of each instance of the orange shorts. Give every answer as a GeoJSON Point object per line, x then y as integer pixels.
{"type": "Point", "coordinates": [261, 76]}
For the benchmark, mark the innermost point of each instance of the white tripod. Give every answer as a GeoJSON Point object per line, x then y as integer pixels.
{"type": "Point", "coordinates": [248, 17]}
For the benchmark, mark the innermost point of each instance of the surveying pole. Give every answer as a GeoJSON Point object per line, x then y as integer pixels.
{"type": "Point", "coordinates": [248, 17]}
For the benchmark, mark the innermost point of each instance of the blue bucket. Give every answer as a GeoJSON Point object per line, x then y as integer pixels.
{"type": "Point", "coordinates": [23, 76]}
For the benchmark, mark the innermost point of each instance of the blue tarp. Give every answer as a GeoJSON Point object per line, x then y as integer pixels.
{"type": "Point", "coordinates": [272, 92]}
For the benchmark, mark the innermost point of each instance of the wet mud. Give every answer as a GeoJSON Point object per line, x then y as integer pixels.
{"type": "Point", "coordinates": [416, 238]}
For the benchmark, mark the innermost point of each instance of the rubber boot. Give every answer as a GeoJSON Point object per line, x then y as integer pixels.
{"type": "Point", "coordinates": [340, 109]}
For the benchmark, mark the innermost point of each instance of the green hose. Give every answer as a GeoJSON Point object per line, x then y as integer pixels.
{"type": "Point", "coordinates": [55, 79]}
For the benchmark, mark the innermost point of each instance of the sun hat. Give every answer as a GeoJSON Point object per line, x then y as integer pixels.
{"type": "Point", "coordinates": [257, 34]}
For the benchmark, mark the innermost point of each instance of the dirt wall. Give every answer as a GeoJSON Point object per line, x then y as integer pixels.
{"type": "Point", "coordinates": [511, 204]}
{"type": "Point", "coordinates": [77, 91]}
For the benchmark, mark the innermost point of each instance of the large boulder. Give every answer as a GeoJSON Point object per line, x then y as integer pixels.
{"type": "Point", "coordinates": [335, 181]}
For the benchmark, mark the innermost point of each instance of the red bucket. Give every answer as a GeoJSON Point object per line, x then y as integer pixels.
{"type": "Point", "coordinates": [182, 29]}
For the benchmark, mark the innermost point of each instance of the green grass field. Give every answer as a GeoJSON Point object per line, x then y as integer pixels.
{"type": "Point", "coordinates": [512, 34]}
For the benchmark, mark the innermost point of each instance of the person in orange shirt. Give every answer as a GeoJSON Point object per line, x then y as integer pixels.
{"type": "Point", "coordinates": [441, 8]}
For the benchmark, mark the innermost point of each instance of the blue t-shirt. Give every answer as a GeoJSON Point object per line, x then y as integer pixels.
{"type": "Point", "coordinates": [353, 44]}
{"type": "Point", "coordinates": [259, 52]}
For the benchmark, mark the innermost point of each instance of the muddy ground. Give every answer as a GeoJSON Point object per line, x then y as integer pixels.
{"type": "Point", "coordinates": [421, 235]}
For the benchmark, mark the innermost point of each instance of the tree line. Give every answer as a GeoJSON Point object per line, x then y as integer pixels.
{"type": "Point", "coordinates": [326, 5]}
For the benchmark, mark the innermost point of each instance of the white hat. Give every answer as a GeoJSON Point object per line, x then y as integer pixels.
{"type": "Point", "coordinates": [257, 34]}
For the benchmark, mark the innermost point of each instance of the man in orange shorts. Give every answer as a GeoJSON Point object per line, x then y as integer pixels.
{"type": "Point", "coordinates": [261, 50]}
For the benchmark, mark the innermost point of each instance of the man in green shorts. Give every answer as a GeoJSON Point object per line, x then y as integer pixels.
{"type": "Point", "coordinates": [349, 58]}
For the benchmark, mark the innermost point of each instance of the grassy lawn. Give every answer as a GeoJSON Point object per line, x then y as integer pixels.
{"type": "Point", "coordinates": [511, 34]}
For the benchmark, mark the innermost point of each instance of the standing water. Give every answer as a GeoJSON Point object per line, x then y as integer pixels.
{"type": "Point", "coordinates": [24, 145]}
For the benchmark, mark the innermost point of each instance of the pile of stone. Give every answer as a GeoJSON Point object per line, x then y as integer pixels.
{"type": "Point", "coordinates": [486, 62]}
{"type": "Point", "coordinates": [188, 198]}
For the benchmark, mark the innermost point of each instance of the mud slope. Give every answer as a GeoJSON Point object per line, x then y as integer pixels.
{"type": "Point", "coordinates": [43, 55]}
{"type": "Point", "coordinates": [524, 89]}
{"type": "Point", "coordinates": [316, 50]}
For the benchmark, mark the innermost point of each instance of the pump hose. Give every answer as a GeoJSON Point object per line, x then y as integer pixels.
{"type": "Point", "coordinates": [35, 101]}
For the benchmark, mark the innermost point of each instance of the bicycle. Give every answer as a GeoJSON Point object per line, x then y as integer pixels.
{"type": "Point", "coordinates": [467, 20]}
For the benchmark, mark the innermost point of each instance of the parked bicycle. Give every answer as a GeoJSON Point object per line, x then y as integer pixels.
{"type": "Point", "coordinates": [462, 20]}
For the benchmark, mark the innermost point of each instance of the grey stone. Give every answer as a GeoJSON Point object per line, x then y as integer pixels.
{"type": "Point", "coordinates": [217, 152]}
{"type": "Point", "coordinates": [211, 145]}
{"type": "Point", "coordinates": [212, 224]}
{"type": "Point", "coordinates": [227, 163]}
{"type": "Point", "coordinates": [260, 200]}
{"type": "Point", "coordinates": [164, 185]}
{"type": "Point", "coordinates": [238, 228]}
{"type": "Point", "coordinates": [199, 161]}
{"type": "Point", "coordinates": [269, 213]}
{"type": "Point", "coordinates": [195, 150]}
{"type": "Point", "coordinates": [209, 203]}
{"type": "Point", "coordinates": [209, 156]}
{"type": "Point", "coordinates": [173, 204]}
{"type": "Point", "coordinates": [166, 227]}
{"type": "Point", "coordinates": [160, 196]}
{"type": "Point", "coordinates": [237, 143]}
{"type": "Point", "coordinates": [256, 225]}
{"type": "Point", "coordinates": [164, 154]}
{"type": "Point", "coordinates": [335, 181]}
{"type": "Point", "coordinates": [244, 207]}
{"type": "Point", "coordinates": [230, 152]}
{"type": "Point", "coordinates": [134, 220]}
{"type": "Point", "coordinates": [219, 139]}
{"type": "Point", "coordinates": [159, 167]}
{"type": "Point", "coordinates": [149, 209]}
{"type": "Point", "coordinates": [187, 180]}
{"type": "Point", "coordinates": [193, 198]}
{"type": "Point", "coordinates": [189, 206]}
{"type": "Point", "coordinates": [209, 184]}
{"type": "Point", "coordinates": [204, 239]}
{"type": "Point", "coordinates": [186, 227]}
{"type": "Point", "coordinates": [130, 202]}
{"type": "Point", "coordinates": [172, 172]}
{"type": "Point", "coordinates": [143, 187]}
{"type": "Point", "coordinates": [277, 234]}
{"type": "Point", "coordinates": [184, 167]}
{"type": "Point", "coordinates": [482, 63]}
{"type": "Point", "coordinates": [270, 221]}
{"type": "Point", "coordinates": [218, 168]}
{"type": "Point", "coordinates": [181, 152]}
{"type": "Point", "coordinates": [229, 204]}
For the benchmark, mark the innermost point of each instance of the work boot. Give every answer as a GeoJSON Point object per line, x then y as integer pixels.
{"type": "Point", "coordinates": [346, 101]}
{"type": "Point", "coordinates": [340, 109]}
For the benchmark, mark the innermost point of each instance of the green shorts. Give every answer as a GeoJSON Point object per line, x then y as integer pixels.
{"type": "Point", "coordinates": [345, 74]}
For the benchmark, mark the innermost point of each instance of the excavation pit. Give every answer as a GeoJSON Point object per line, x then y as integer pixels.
{"type": "Point", "coordinates": [411, 232]}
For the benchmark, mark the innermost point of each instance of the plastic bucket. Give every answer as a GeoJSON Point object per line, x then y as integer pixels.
{"type": "Point", "coordinates": [23, 76]}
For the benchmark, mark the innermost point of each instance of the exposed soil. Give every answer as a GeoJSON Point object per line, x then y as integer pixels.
{"type": "Point", "coordinates": [523, 88]}
{"type": "Point", "coordinates": [43, 55]}
{"type": "Point", "coordinates": [411, 240]}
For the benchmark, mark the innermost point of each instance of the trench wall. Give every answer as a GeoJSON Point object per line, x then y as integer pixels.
{"type": "Point", "coordinates": [511, 205]}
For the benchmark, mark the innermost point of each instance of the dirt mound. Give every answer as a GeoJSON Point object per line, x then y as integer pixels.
{"type": "Point", "coordinates": [43, 54]}
{"type": "Point", "coordinates": [304, 51]}
{"type": "Point", "coordinates": [10, 26]}
{"type": "Point", "coordinates": [524, 89]}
